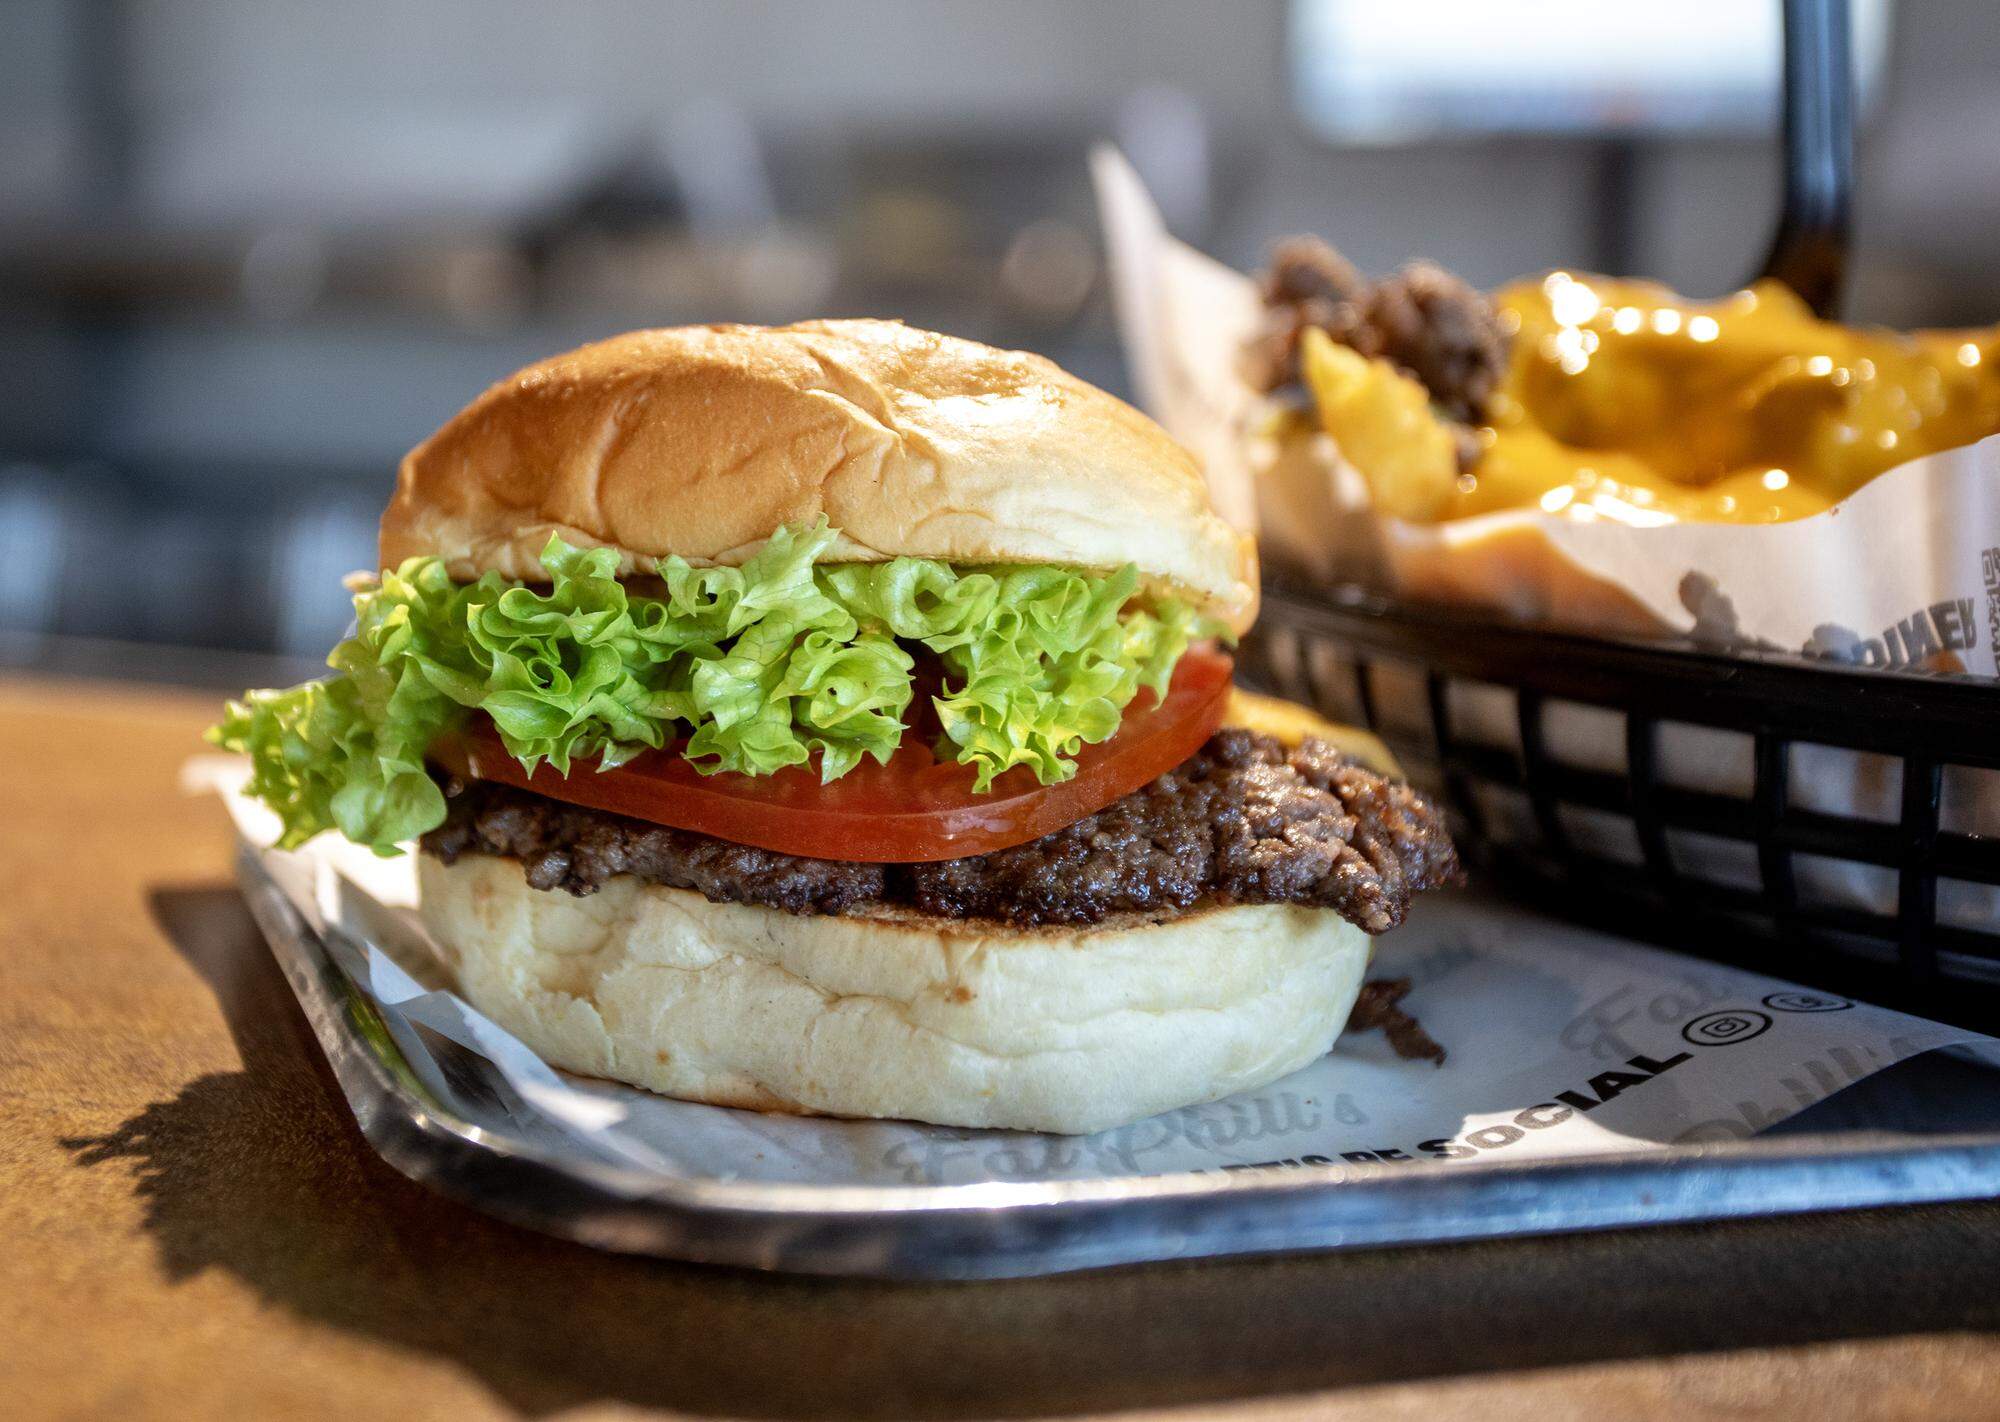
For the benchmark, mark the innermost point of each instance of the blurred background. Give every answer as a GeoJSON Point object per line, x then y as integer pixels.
{"type": "Point", "coordinates": [252, 250]}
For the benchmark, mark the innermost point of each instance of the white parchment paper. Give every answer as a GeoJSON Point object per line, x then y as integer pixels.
{"type": "Point", "coordinates": [1903, 573]}
{"type": "Point", "coordinates": [1562, 1042]}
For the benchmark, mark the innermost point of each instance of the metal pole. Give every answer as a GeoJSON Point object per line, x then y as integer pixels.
{"type": "Point", "coordinates": [1809, 252]}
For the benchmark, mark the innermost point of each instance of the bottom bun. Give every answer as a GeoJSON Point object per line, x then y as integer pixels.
{"type": "Point", "coordinates": [925, 1019]}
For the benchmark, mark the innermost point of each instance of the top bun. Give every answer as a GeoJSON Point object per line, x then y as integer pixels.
{"type": "Point", "coordinates": [702, 441]}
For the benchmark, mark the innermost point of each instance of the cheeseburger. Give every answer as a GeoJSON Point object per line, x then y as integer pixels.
{"type": "Point", "coordinates": [837, 718]}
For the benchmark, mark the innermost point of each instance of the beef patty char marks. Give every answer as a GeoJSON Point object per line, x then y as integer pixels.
{"type": "Point", "coordinates": [1243, 821]}
{"type": "Point", "coordinates": [574, 848]}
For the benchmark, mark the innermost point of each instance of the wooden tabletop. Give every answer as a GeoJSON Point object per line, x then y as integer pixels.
{"type": "Point", "coordinates": [191, 1226]}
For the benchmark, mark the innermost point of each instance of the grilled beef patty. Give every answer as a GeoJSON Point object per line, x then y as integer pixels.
{"type": "Point", "coordinates": [1243, 821]}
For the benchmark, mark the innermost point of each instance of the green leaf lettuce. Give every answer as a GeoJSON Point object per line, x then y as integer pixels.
{"type": "Point", "coordinates": [779, 662]}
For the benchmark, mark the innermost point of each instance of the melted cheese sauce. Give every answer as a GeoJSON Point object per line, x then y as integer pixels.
{"type": "Point", "coordinates": [1624, 401]}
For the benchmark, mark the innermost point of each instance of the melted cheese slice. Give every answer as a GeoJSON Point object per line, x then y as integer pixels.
{"type": "Point", "coordinates": [1291, 723]}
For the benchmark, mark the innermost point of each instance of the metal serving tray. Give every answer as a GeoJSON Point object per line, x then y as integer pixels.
{"type": "Point", "coordinates": [1007, 1229]}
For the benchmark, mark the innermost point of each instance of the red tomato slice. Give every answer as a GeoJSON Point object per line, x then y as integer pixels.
{"type": "Point", "coordinates": [911, 810]}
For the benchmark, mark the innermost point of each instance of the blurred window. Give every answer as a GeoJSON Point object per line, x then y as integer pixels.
{"type": "Point", "coordinates": [1368, 72]}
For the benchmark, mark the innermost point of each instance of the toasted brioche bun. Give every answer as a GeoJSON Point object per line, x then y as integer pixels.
{"type": "Point", "coordinates": [702, 441]}
{"type": "Point", "coordinates": [962, 1024]}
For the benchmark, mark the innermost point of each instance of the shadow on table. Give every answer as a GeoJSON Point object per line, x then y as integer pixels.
{"type": "Point", "coordinates": [263, 1173]}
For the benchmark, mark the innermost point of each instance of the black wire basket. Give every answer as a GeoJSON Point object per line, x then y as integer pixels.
{"type": "Point", "coordinates": [1827, 824]}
